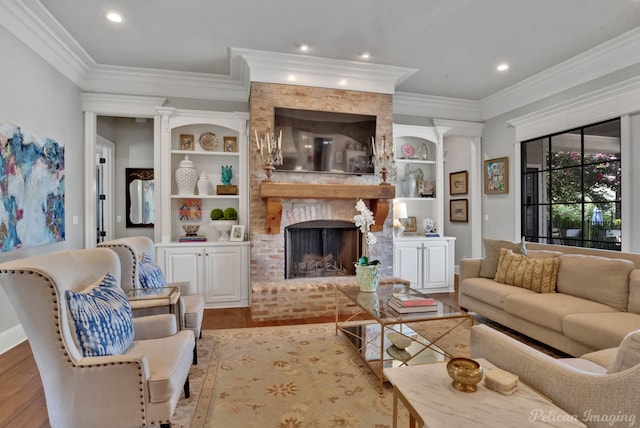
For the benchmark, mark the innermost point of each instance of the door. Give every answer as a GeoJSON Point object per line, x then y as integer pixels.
{"type": "Point", "coordinates": [184, 264]}
{"type": "Point", "coordinates": [435, 262]}
{"type": "Point", "coordinates": [407, 262]}
{"type": "Point", "coordinates": [223, 274]}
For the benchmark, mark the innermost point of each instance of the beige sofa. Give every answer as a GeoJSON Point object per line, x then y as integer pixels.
{"type": "Point", "coordinates": [596, 303]}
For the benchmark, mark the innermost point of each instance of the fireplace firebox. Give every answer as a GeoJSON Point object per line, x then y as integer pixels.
{"type": "Point", "coordinates": [321, 248]}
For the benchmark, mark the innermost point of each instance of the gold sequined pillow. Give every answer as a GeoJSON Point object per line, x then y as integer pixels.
{"type": "Point", "coordinates": [539, 275]}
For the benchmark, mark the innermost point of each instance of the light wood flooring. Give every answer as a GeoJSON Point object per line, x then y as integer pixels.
{"type": "Point", "coordinates": [22, 402]}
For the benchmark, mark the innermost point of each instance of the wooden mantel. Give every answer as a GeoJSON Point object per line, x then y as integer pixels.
{"type": "Point", "coordinates": [274, 193]}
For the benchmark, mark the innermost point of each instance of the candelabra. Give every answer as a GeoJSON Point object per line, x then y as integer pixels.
{"type": "Point", "coordinates": [270, 151]}
{"type": "Point", "coordinates": [383, 157]}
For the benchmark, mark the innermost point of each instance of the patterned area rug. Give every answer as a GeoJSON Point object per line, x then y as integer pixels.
{"type": "Point", "coordinates": [291, 376]}
{"type": "Point", "coordinates": [297, 376]}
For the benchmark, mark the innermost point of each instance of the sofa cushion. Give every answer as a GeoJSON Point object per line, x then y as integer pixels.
{"type": "Point", "coordinates": [549, 309]}
{"type": "Point", "coordinates": [537, 275]}
{"type": "Point", "coordinates": [628, 353]}
{"type": "Point", "coordinates": [543, 254]}
{"type": "Point", "coordinates": [492, 255]}
{"type": "Point", "coordinates": [102, 318]}
{"type": "Point", "coordinates": [602, 357]}
{"type": "Point", "coordinates": [168, 359]}
{"type": "Point", "coordinates": [634, 292]}
{"type": "Point", "coordinates": [149, 274]}
{"type": "Point", "coordinates": [488, 291]}
{"type": "Point", "coordinates": [600, 330]}
{"type": "Point", "coordinates": [595, 278]}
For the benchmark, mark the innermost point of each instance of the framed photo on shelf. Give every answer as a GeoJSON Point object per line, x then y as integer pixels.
{"type": "Point", "coordinates": [459, 183]}
{"type": "Point", "coordinates": [427, 188]}
{"type": "Point", "coordinates": [409, 224]}
{"type": "Point", "coordinates": [186, 142]}
{"type": "Point", "coordinates": [496, 175]}
{"type": "Point", "coordinates": [459, 210]}
{"type": "Point", "coordinates": [237, 233]}
{"type": "Point", "coordinates": [230, 144]}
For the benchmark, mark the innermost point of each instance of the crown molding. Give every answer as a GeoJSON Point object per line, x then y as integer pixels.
{"type": "Point", "coordinates": [608, 57]}
{"type": "Point", "coordinates": [304, 70]}
{"type": "Point", "coordinates": [460, 128]}
{"type": "Point", "coordinates": [32, 24]}
{"type": "Point", "coordinates": [607, 103]}
{"type": "Point", "coordinates": [121, 105]}
{"type": "Point", "coordinates": [152, 82]}
{"type": "Point", "coordinates": [434, 106]}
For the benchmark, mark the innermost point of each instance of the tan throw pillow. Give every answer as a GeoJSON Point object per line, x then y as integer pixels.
{"type": "Point", "coordinates": [492, 254]}
{"type": "Point", "coordinates": [539, 275]}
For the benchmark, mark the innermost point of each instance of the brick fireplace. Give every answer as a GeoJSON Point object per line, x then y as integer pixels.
{"type": "Point", "coordinates": [268, 252]}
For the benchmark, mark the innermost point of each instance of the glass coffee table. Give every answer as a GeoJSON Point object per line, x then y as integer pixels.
{"type": "Point", "coordinates": [372, 319]}
{"type": "Point", "coordinates": [145, 298]}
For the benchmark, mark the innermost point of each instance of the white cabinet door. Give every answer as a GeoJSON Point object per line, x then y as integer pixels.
{"type": "Point", "coordinates": [223, 273]}
{"type": "Point", "coordinates": [184, 264]}
{"type": "Point", "coordinates": [435, 263]}
{"type": "Point", "coordinates": [408, 263]}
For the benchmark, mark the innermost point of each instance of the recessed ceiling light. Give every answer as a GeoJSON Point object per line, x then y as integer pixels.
{"type": "Point", "coordinates": [365, 55]}
{"type": "Point", "coordinates": [342, 82]}
{"type": "Point", "coordinates": [303, 47]}
{"type": "Point", "coordinates": [291, 78]}
{"type": "Point", "coordinates": [114, 17]}
{"type": "Point", "coordinates": [502, 67]}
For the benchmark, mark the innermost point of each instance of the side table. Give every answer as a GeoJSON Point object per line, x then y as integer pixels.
{"type": "Point", "coordinates": [160, 297]}
{"type": "Point", "coordinates": [426, 391]}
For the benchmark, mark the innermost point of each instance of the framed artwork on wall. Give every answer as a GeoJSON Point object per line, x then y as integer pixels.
{"type": "Point", "coordinates": [459, 183]}
{"type": "Point", "coordinates": [459, 210]}
{"type": "Point", "coordinates": [496, 175]}
{"type": "Point", "coordinates": [230, 144]}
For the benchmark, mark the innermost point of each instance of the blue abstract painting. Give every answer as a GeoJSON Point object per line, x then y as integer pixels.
{"type": "Point", "coordinates": [32, 189]}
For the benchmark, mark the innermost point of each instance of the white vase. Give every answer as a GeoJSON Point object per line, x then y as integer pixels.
{"type": "Point", "coordinates": [186, 177]}
{"type": "Point", "coordinates": [203, 184]}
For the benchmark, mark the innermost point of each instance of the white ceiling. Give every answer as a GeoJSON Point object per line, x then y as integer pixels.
{"type": "Point", "coordinates": [454, 44]}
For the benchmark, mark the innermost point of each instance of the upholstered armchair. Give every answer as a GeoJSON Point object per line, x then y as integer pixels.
{"type": "Point", "coordinates": [601, 397]}
{"type": "Point", "coordinates": [130, 250]}
{"type": "Point", "coordinates": [137, 385]}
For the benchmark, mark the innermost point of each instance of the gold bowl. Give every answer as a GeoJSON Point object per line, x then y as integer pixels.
{"type": "Point", "coordinates": [466, 374]}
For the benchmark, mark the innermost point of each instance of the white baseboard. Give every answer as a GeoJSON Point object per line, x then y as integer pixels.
{"type": "Point", "coordinates": [11, 337]}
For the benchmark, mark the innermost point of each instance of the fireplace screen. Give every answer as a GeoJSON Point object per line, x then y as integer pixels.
{"type": "Point", "coordinates": [321, 248]}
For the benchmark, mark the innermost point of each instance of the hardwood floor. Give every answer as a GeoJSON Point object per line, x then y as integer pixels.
{"type": "Point", "coordinates": [22, 403]}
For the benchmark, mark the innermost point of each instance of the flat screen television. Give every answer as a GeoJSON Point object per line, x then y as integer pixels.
{"type": "Point", "coordinates": [325, 142]}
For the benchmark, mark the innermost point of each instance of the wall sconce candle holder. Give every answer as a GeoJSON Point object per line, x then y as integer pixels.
{"type": "Point", "coordinates": [384, 158]}
{"type": "Point", "coordinates": [270, 151]}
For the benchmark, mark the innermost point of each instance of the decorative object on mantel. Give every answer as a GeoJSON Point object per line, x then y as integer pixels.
{"type": "Point", "coordinates": [186, 177]}
{"type": "Point", "coordinates": [226, 188]}
{"type": "Point", "coordinates": [203, 184]}
{"type": "Point", "coordinates": [383, 158]}
{"type": "Point", "coordinates": [270, 151]}
{"type": "Point", "coordinates": [466, 374]}
{"type": "Point", "coordinates": [367, 272]}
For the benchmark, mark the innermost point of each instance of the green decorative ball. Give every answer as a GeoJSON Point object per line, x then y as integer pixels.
{"type": "Point", "coordinates": [217, 214]}
{"type": "Point", "coordinates": [230, 214]}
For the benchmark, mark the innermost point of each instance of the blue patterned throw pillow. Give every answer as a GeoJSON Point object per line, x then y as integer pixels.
{"type": "Point", "coordinates": [149, 274]}
{"type": "Point", "coordinates": [102, 318]}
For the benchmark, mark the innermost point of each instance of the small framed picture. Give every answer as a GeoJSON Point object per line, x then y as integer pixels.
{"type": "Point", "coordinates": [427, 188]}
{"type": "Point", "coordinates": [458, 183]}
{"type": "Point", "coordinates": [409, 224]}
{"type": "Point", "coordinates": [186, 142]}
{"type": "Point", "coordinates": [237, 233]}
{"type": "Point", "coordinates": [459, 210]}
{"type": "Point", "coordinates": [230, 144]}
{"type": "Point", "coordinates": [496, 175]}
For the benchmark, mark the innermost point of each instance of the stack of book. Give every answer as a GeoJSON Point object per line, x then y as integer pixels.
{"type": "Point", "coordinates": [409, 303]}
{"type": "Point", "coordinates": [197, 238]}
